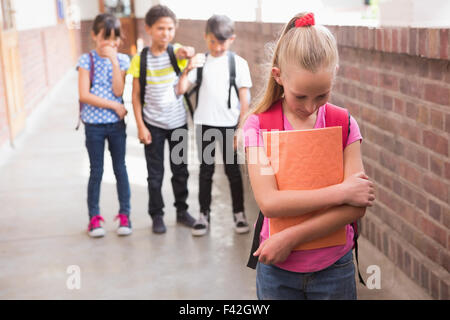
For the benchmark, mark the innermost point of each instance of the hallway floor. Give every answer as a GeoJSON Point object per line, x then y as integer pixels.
{"type": "Point", "coordinates": [43, 182]}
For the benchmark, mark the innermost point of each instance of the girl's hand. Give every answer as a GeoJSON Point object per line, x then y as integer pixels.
{"type": "Point", "coordinates": [144, 135]}
{"type": "Point", "coordinates": [120, 110]}
{"type": "Point", "coordinates": [110, 52]}
{"type": "Point", "coordinates": [358, 190]}
{"type": "Point", "coordinates": [274, 250]}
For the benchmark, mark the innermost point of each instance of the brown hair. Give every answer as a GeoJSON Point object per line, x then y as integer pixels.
{"type": "Point", "coordinates": [159, 11]}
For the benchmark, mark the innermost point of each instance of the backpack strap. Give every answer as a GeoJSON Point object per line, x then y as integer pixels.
{"type": "Point", "coordinates": [338, 117]}
{"type": "Point", "coordinates": [91, 79]}
{"type": "Point", "coordinates": [143, 74]}
{"type": "Point", "coordinates": [232, 69]}
{"type": "Point", "coordinates": [176, 68]}
{"type": "Point", "coordinates": [198, 83]}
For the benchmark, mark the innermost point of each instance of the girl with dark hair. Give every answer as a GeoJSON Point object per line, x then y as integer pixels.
{"type": "Point", "coordinates": [101, 80]}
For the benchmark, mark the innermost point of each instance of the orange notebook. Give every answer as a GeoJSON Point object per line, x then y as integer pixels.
{"type": "Point", "coordinates": [306, 160]}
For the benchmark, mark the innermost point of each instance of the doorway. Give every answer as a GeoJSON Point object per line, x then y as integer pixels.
{"type": "Point", "coordinates": [124, 10]}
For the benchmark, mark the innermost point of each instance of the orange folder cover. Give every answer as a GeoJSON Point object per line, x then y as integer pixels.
{"type": "Point", "coordinates": [306, 160]}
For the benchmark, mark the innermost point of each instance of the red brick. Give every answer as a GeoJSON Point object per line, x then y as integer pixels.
{"type": "Point", "coordinates": [411, 87]}
{"type": "Point", "coordinates": [433, 43]}
{"type": "Point", "coordinates": [447, 122]}
{"type": "Point", "coordinates": [434, 231]}
{"type": "Point", "coordinates": [437, 119]}
{"type": "Point", "coordinates": [404, 40]}
{"type": "Point", "coordinates": [409, 131]}
{"type": "Point", "coordinates": [434, 286]}
{"type": "Point", "coordinates": [387, 40]}
{"type": "Point", "coordinates": [370, 77]}
{"type": "Point", "coordinates": [435, 142]}
{"type": "Point", "coordinates": [435, 187]}
{"type": "Point", "coordinates": [436, 165]}
{"type": "Point", "coordinates": [413, 34]}
{"type": "Point", "coordinates": [444, 290]}
{"type": "Point", "coordinates": [447, 170]}
{"type": "Point", "coordinates": [444, 43]}
{"type": "Point", "coordinates": [399, 106]}
{"type": "Point", "coordinates": [409, 173]}
{"type": "Point", "coordinates": [423, 42]}
{"type": "Point", "coordinates": [434, 210]}
{"type": "Point", "coordinates": [395, 40]}
{"type": "Point", "coordinates": [379, 39]}
{"type": "Point", "coordinates": [389, 81]}
{"type": "Point", "coordinates": [437, 94]}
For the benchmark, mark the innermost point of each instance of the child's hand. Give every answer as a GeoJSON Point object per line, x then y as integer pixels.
{"type": "Point", "coordinates": [185, 53]}
{"type": "Point", "coordinates": [196, 61]}
{"type": "Point", "coordinates": [120, 110]}
{"type": "Point", "coordinates": [274, 250]}
{"type": "Point", "coordinates": [358, 190]}
{"type": "Point", "coordinates": [110, 52]}
{"type": "Point", "coordinates": [144, 135]}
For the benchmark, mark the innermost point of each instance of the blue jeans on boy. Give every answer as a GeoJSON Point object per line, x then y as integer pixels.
{"type": "Point", "coordinates": [96, 135]}
{"type": "Point", "coordinates": [154, 156]}
{"type": "Point", "coordinates": [337, 282]}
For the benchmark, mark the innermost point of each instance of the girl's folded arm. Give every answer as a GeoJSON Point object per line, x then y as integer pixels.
{"type": "Point", "coordinates": [276, 203]}
{"type": "Point", "coordinates": [326, 221]}
{"type": "Point", "coordinates": [331, 219]}
{"type": "Point", "coordinates": [355, 190]}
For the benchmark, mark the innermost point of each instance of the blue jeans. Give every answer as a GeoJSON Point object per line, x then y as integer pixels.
{"type": "Point", "coordinates": [96, 135]}
{"type": "Point", "coordinates": [337, 282]}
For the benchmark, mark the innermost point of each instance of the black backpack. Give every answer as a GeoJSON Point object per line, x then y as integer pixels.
{"type": "Point", "coordinates": [232, 70]}
{"type": "Point", "coordinates": [143, 74]}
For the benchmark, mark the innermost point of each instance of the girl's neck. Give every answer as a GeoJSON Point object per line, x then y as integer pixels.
{"type": "Point", "coordinates": [156, 50]}
{"type": "Point", "coordinates": [298, 122]}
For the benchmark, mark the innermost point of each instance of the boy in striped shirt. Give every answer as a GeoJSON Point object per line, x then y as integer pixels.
{"type": "Point", "coordinates": [161, 114]}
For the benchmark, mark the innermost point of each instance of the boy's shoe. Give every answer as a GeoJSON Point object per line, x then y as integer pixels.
{"type": "Point", "coordinates": [185, 218]}
{"type": "Point", "coordinates": [158, 224]}
{"type": "Point", "coordinates": [95, 230]}
{"type": "Point", "coordinates": [124, 228]}
{"type": "Point", "coordinates": [201, 226]}
{"type": "Point", "coordinates": [240, 223]}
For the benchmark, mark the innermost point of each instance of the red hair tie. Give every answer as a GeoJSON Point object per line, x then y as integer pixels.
{"type": "Point", "coordinates": [305, 21]}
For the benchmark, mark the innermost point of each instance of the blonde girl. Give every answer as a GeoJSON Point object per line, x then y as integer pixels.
{"type": "Point", "coordinates": [304, 65]}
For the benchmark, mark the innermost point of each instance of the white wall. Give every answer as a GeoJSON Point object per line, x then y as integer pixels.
{"type": "Point", "coordinates": [35, 14]}
{"type": "Point", "coordinates": [89, 9]}
{"type": "Point", "coordinates": [142, 6]}
{"type": "Point", "coordinates": [415, 13]}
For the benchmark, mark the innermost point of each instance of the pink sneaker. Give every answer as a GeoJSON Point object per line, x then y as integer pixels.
{"type": "Point", "coordinates": [95, 230]}
{"type": "Point", "coordinates": [124, 228]}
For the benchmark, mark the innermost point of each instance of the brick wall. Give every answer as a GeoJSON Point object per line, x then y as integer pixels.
{"type": "Point", "coordinates": [396, 83]}
{"type": "Point", "coordinates": [45, 55]}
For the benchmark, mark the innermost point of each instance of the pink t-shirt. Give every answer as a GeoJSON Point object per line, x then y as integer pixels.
{"type": "Point", "coordinates": [303, 260]}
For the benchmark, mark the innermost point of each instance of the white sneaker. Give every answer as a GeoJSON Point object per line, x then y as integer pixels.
{"type": "Point", "coordinates": [95, 229]}
{"type": "Point", "coordinates": [201, 226]}
{"type": "Point", "coordinates": [240, 223]}
{"type": "Point", "coordinates": [124, 228]}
